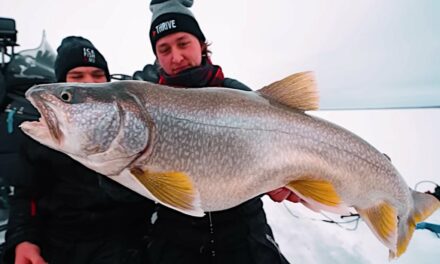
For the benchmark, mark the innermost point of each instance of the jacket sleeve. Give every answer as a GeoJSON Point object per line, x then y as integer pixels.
{"type": "Point", "coordinates": [149, 73]}
{"type": "Point", "coordinates": [233, 83]}
{"type": "Point", "coordinates": [21, 225]}
{"type": "Point", "coordinates": [23, 220]}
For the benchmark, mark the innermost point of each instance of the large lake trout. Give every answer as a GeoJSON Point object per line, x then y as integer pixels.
{"type": "Point", "coordinates": [209, 149]}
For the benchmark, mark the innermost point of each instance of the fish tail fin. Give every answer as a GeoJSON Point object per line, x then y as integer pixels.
{"type": "Point", "coordinates": [393, 230]}
{"type": "Point", "coordinates": [318, 195]}
{"type": "Point", "coordinates": [424, 205]}
{"type": "Point", "coordinates": [296, 91]}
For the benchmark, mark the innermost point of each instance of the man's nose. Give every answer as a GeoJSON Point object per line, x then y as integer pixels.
{"type": "Point", "coordinates": [88, 78]}
{"type": "Point", "coordinates": [176, 56]}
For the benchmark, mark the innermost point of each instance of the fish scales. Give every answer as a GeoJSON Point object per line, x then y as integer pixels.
{"type": "Point", "coordinates": [210, 149]}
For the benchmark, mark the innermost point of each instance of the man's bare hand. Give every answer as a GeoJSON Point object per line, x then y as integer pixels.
{"type": "Point", "coordinates": [282, 194]}
{"type": "Point", "coordinates": [28, 253]}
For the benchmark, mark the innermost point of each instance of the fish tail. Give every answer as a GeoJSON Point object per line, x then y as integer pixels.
{"type": "Point", "coordinates": [424, 206]}
{"type": "Point", "coordinates": [393, 230]}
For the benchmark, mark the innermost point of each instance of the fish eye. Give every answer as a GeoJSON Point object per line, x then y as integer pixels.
{"type": "Point", "coordinates": [66, 96]}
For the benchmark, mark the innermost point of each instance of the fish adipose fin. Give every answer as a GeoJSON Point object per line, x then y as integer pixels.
{"type": "Point", "coordinates": [318, 195]}
{"type": "Point", "coordinates": [173, 189]}
{"type": "Point", "coordinates": [296, 91]}
{"type": "Point", "coordinates": [382, 220]}
{"type": "Point", "coordinates": [424, 206]}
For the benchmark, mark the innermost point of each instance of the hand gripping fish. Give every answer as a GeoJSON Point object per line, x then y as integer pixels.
{"type": "Point", "coordinates": [210, 149]}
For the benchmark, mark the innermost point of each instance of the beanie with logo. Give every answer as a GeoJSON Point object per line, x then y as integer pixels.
{"type": "Point", "coordinates": [171, 16]}
{"type": "Point", "coordinates": [77, 52]}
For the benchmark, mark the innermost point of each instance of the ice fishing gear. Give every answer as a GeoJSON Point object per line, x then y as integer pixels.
{"type": "Point", "coordinates": [8, 38]}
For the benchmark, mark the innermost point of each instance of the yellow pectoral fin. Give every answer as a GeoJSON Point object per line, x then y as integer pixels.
{"type": "Point", "coordinates": [322, 192]}
{"type": "Point", "coordinates": [174, 189]}
{"type": "Point", "coordinates": [382, 220]}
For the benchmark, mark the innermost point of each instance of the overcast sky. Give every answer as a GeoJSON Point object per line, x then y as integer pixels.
{"type": "Point", "coordinates": [383, 52]}
{"type": "Point", "coordinates": [365, 53]}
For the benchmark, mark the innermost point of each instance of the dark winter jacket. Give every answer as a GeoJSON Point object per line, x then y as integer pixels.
{"type": "Point", "coordinates": [57, 199]}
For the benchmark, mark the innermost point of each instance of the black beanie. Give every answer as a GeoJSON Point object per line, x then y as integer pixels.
{"type": "Point", "coordinates": [171, 16]}
{"type": "Point", "coordinates": [76, 52]}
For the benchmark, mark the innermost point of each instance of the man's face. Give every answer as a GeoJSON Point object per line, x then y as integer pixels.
{"type": "Point", "coordinates": [178, 51]}
{"type": "Point", "coordinates": [86, 74]}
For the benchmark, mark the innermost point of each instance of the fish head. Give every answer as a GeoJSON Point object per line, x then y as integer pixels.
{"type": "Point", "coordinates": [102, 126]}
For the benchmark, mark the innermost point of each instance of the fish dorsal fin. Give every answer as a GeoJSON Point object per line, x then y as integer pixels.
{"type": "Point", "coordinates": [296, 91]}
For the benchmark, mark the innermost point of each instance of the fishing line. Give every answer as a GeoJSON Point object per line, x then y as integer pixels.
{"type": "Point", "coordinates": [420, 182]}
{"type": "Point", "coordinates": [329, 219]}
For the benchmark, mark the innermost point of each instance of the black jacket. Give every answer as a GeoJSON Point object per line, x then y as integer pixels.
{"type": "Point", "coordinates": [57, 198]}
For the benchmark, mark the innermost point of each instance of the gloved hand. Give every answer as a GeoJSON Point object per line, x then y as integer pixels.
{"type": "Point", "coordinates": [282, 194]}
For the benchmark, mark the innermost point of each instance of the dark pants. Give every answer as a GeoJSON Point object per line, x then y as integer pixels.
{"type": "Point", "coordinates": [112, 249]}
{"type": "Point", "coordinates": [239, 236]}
{"type": "Point", "coordinates": [254, 250]}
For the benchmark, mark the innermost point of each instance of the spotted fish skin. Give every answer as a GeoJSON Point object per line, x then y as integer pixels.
{"type": "Point", "coordinates": [219, 147]}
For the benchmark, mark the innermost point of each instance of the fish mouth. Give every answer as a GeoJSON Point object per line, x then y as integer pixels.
{"type": "Point", "coordinates": [47, 121]}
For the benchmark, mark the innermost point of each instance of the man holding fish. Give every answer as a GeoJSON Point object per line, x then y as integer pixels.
{"type": "Point", "coordinates": [205, 150]}
{"type": "Point", "coordinates": [236, 235]}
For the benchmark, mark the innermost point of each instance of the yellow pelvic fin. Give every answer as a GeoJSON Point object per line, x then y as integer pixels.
{"type": "Point", "coordinates": [382, 220]}
{"type": "Point", "coordinates": [296, 91]}
{"type": "Point", "coordinates": [320, 191]}
{"type": "Point", "coordinates": [424, 206]}
{"type": "Point", "coordinates": [172, 188]}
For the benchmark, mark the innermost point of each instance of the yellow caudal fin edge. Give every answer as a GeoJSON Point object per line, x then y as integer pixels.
{"type": "Point", "coordinates": [424, 206]}
{"type": "Point", "coordinates": [173, 189]}
{"type": "Point", "coordinates": [382, 220]}
{"type": "Point", "coordinates": [296, 91]}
